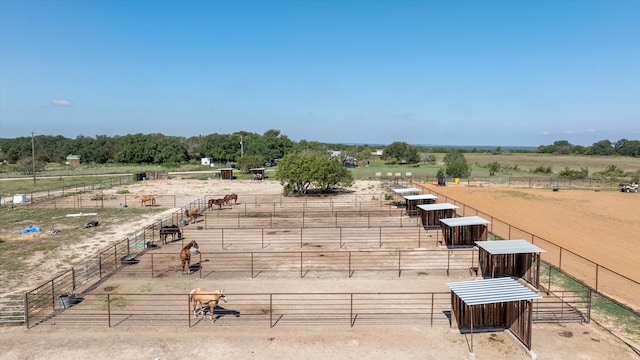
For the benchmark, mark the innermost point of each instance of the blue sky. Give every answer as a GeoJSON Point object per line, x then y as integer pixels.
{"type": "Point", "coordinates": [502, 73]}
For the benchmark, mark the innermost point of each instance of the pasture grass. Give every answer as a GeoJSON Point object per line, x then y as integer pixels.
{"type": "Point", "coordinates": [17, 251]}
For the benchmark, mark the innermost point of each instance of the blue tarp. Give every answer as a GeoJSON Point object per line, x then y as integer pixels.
{"type": "Point", "coordinates": [30, 229]}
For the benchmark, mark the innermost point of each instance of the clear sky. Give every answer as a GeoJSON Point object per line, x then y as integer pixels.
{"type": "Point", "coordinates": [502, 73]}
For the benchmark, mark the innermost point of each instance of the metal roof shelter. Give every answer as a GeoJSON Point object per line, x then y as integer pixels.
{"type": "Point", "coordinates": [493, 303]}
{"type": "Point", "coordinates": [412, 201]}
{"type": "Point", "coordinates": [466, 221]}
{"type": "Point", "coordinates": [406, 190]}
{"type": "Point", "coordinates": [464, 230]}
{"type": "Point", "coordinates": [403, 191]}
{"type": "Point", "coordinates": [257, 173]}
{"type": "Point", "coordinates": [518, 258]}
{"type": "Point", "coordinates": [430, 214]}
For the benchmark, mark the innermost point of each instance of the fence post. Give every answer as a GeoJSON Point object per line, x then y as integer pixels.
{"type": "Point", "coordinates": [53, 295]}
{"type": "Point", "coordinates": [109, 309]}
{"type": "Point", "coordinates": [589, 294]}
{"type": "Point", "coordinates": [270, 310]}
{"type": "Point", "coordinates": [351, 310]}
{"type": "Point", "coordinates": [26, 309]}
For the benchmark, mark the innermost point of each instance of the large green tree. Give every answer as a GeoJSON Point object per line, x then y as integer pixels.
{"type": "Point", "coordinates": [456, 164]}
{"type": "Point", "coordinates": [299, 172]}
{"type": "Point", "coordinates": [401, 152]}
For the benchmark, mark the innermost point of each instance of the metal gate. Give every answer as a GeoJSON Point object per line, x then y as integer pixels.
{"type": "Point", "coordinates": [12, 308]}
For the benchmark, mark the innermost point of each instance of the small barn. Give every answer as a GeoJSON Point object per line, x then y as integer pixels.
{"type": "Point", "coordinates": [517, 258]}
{"type": "Point", "coordinates": [430, 214]}
{"type": "Point", "coordinates": [412, 202]}
{"type": "Point", "coordinates": [464, 231]}
{"type": "Point", "coordinates": [73, 159]}
{"type": "Point", "coordinates": [226, 174]}
{"type": "Point", "coordinates": [491, 305]}
{"type": "Point", "coordinates": [257, 173]}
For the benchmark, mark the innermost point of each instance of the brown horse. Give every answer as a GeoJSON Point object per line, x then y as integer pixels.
{"type": "Point", "coordinates": [218, 202]}
{"type": "Point", "coordinates": [146, 198]}
{"type": "Point", "coordinates": [185, 256]}
{"type": "Point", "coordinates": [228, 198]}
{"type": "Point", "coordinates": [202, 296]}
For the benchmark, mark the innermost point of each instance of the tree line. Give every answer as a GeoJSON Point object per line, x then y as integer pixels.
{"type": "Point", "coordinates": [253, 148]}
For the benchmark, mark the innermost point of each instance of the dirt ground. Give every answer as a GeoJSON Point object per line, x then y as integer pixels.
{"type": "Point", "coordinates": [582, 219]}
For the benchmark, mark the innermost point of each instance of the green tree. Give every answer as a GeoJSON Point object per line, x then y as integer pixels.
{"type": "Point", "coordinates": [299, 171]}
{"type": "Point", "coordinates": [249, 162]}
{"type": "Point", "coordinates": [494, 167]}
{"type": "Point", "coordinates": [456, 164]}
{"type": "Point", "coordinates": [603, 147]}
{"type": "Point", "coordinates": [401, 152]}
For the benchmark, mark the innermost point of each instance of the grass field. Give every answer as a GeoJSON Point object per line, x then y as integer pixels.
{"type": "Point", "coordinates": [512, 164]}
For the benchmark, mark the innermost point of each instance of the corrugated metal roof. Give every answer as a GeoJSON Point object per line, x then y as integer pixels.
{"type": "Point", "coordinates": [440, 206]}
{"type": "Point", "coordinates": [406, 190]}
{"type": "Point", "coordinates": [464, 221]}
{"type": "Point", "coordinates": [509, 247]}
{"type": "Point", "coordinates": [420, 196]}
{"type": "Point", "coordinates": [491, 291]}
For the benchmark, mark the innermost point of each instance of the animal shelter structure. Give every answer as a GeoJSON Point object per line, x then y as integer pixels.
{"type": "Point", "coordinates": [464, 231]}
{"type": "Point", "coordinates": [226, 174]}
{"type": "Point", "coordinates": [430, 214]}
{"type": "Point", "coordinates": [412, 201]}
{"type": "Point", "coordinates": [518, 258]}
{"type": "Point", "coordinates": [492, 305]}
{"type": "Point", "coordinates": [403, 192]}
{"type": "Point", "coordinates": [257, 173]}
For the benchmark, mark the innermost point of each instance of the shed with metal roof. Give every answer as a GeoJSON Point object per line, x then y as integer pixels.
{"type": "Point", "coordinates": [257, 173]}
{"type": "Point", "coordinates": [430, 214]}
{"type": "Point", "coordinates": [463, 231]}
{"type": "Point", "coordinates": [518, 258]}
{"type": "Point", "coordinates": [412, 201]}
{"type": "Point", "coordinates": [491, 304]}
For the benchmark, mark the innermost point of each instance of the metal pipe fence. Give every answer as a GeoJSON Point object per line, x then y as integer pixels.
{"type": "Point", "coordinates": [348, 309]}
{"type": "Point", "coordinates": [334, 262]}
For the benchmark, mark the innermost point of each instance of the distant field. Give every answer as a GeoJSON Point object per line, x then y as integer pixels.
{"type": "Point", "coordinates": [515, 164]}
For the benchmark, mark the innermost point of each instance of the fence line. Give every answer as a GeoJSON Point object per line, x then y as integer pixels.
{"type": "Point", "coordinates": [291, 308]}
{"type": "Point", "coordinates": [583, 269]}
{"type": "Point", "coordinates": [348, 262]}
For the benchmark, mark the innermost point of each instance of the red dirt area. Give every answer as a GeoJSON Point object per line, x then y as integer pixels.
{"type": "Point", "coordinates": [601, 226]}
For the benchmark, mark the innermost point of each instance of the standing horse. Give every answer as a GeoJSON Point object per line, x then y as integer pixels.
{"type": "Point", "coordinates": [146, 198]}
{"type": "Point", "coordinates": [185, 256]}
{"type": "Point", "coordinates": [218, 202]}
{"type": "Point", "coordinates": [172, 230]}
{"type": "Point", "coordinates": [192, 215]}
{"type": "Point", "coordinates": [228, 198]}
{"type": "Point", "coordinates": [204, 297]}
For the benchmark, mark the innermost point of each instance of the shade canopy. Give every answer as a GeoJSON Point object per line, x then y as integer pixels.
{"type": "Point", "coordinates": [509, 247]}
{"type": "Point", "coordinates": [491, 291]}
